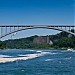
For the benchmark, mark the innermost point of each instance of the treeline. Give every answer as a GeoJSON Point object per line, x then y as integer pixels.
{"type": "Point", "coordinates": [26, 43]}
{"type": "Point", "coordinates": [65, 43]}
{"type": "Point", "coordinates": [2, 45]}
{"type": "Point", "coordinates": [60, 40]}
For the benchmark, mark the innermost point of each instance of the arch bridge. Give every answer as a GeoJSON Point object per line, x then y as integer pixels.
{"type": "Point", "coordinates": [10, 29]}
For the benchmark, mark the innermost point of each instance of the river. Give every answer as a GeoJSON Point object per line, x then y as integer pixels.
{"type": "Point", "coordinates": [37, 62]}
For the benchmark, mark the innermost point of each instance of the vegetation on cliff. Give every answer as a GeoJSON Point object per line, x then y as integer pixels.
{"type": "Point", "coordinates": [60, 40]}
{"type": "Point", "coordinates": [2, 45]}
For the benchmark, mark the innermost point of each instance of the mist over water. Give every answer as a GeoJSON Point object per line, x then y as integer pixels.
{"type": "Point", "coordinates": [37, 62]}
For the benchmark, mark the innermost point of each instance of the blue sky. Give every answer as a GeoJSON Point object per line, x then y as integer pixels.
{"type": "Point", "coordinates": [37, 12]}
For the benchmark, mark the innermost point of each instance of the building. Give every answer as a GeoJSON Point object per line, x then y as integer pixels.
{"type": "Point", "coordinates": [41, 39]}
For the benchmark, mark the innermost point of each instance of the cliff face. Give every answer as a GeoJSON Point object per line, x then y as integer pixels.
{"type": "Point", "coordinates": [41, 39]}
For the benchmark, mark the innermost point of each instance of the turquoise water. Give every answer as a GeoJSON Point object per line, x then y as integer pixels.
{"type": "Point", "coordinates": [56, 62]}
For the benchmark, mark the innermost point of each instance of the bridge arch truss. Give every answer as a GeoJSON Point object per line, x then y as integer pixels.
{"type": "Point", "coordinates": [10, 29]}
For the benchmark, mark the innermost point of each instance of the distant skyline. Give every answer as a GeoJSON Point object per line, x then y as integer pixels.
{"type": "Point", "coordinates": [37, 12]}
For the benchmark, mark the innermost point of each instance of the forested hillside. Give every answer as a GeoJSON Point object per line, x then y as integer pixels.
{"type": "Point", "coordinates": [60, 40]}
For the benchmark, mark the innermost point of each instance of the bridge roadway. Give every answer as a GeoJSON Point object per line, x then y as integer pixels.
{"type": "Point", "coordinates": [16, 25]}
{"type": "Point", "coordinates": [16, 28]}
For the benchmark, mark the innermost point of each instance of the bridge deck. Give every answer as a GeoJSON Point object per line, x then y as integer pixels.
{"type": "Point", "coordinates": [37, 25]}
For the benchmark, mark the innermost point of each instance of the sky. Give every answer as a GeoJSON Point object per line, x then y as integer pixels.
{"type": "Point", "coordinates": [37, 12]}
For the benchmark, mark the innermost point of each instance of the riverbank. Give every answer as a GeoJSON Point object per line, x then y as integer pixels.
{"type": "Point", "coordinates": [38, 48]}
